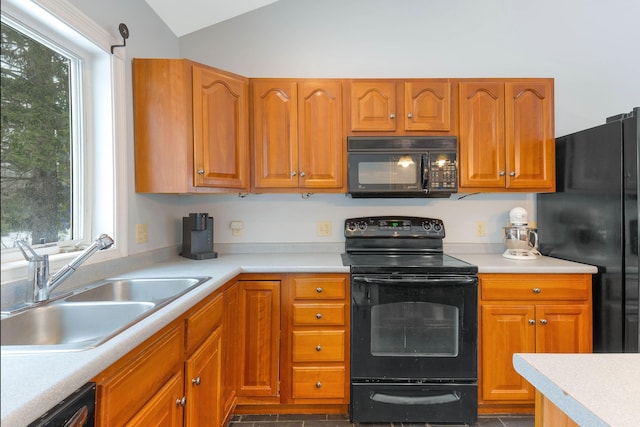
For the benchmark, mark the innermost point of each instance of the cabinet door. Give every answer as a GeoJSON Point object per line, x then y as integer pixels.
{"type": "Point", "coordinates": [563, 329]}
{"type": "Point", "coordinates": [164, 409]}
{"type": "Point", "coordinates": [121, 395]}
{"type": "Point", "coordinates": [220, 135]}
{"type": "Point", "coordinates": [259, 311]}
{"type": "Point", "coordinates": [481, 136]}
{"type": "Point", "coordinates": [505, 329]}
{"type": "Point", "coordinates": [230, 345]}
{"type": "Point", "coordinates": [530, 135]}
{"type": "Point", "coordinates": [427, 105]}
{"type": "Point", "coordinates": [321, 143]}
{"type": "Point", "coordinates": [203, 383]}
{"type": "Point", "coordinates": [373, 106]}
{"type": "Point", "coordinates": [275, 134]}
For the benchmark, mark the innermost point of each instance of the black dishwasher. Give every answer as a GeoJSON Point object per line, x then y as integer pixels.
{"type": "Point", "coordinates": [77, 410]}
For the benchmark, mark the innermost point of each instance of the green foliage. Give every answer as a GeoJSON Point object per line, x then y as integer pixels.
{"type": "Point", "coordinates": [36, 140]}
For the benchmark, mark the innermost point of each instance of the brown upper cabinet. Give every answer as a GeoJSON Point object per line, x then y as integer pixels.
{"type": "Point", "coordinates": [401, 106]}
{"type": "Point", "coordinates": [298, 138]}
{"type": "Point", "coordinates": [506, 136]}
{"type": "Point", "coordinates": [191, 128]}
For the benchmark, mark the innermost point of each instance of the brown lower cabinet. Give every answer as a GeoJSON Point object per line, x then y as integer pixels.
{"type": "Point", "coordinates": [527, 313]}
{"type": "Point", "coordinates": [279, 343]}
{"type": "Point", "coordinates": [242, 349]}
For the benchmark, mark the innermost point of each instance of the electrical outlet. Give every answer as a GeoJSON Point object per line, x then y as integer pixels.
{"type": "Point", "coordinates": [142, 233]}
{"type": "Point", "coordinates": [236, 228]}
{"type": "Point", "coordinates": [323, 229]}
{"type": "Point", "coordinates": [481, 228]}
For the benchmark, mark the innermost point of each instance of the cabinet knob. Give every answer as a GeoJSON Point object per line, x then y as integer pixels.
{"type": "Point", "coordinates": [195, 381]}
{"type": "Point", "coordinates": [319, 290]}
{"type": "Point", "coordinates": [293, 173]}
{"type": "Point", "coordinates": [318, 384]}
{"type": "Point", "coordinates": [302, 174]}
{"type": "Point", "coordinates": [512, 174]}
{"type": "Point", "coordinates": [502, 173]}
{"type": "Point", "coordinates": [532, 322]}
{"type": "Point", "coordinates": [181, 402]}
{"type": "Point", "coordinates": [537, 290]}
{"type": "Point", "coordinates": [318, 316]}
{"type": "Point", "coordinates": [410, 116]}
{"type": "Point", "coordinates": [318, 347]}
{"type": "Point", "coordinates": [200, 171]}
{"type": "Point", "coordinates": [392, 116]}
{"type": "Point", "coordinates": [543, 321]}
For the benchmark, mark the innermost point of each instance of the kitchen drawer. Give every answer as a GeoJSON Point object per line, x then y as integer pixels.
{"type": "Point", "coordinates": [202, 323]}
{"type": "Point", "coordinates": [318, 382]}
{"type": "Point", "coordinates": [318, 314]}
{"type": "Point", "coordinates": [319, 287]}
{"type": "Point", "coordinates": [533, 287]}
{"type": "Point", "coordinates": [318, 346]}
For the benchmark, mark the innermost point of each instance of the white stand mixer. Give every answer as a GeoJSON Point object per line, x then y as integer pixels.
{"type": "Point", "coordinates": [520, 240]}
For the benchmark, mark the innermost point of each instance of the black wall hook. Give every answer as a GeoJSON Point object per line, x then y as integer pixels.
{"type": "Point", "coordinates": [124, 32]}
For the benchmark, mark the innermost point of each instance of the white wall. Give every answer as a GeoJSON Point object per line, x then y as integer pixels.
{"type": "Point", "coordinates": [583, 44]}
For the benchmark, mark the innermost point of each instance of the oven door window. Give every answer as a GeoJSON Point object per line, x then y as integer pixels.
{"type": "Point", "coordinates": [410, 329]}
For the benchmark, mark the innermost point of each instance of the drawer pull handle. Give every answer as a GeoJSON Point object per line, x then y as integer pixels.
{"type": "Point", "coordinates": [195, 381]}
{"type": "Point", "coordinates": [532, 322]}
{"type": "Point", "coordinates": [318, 347]}
{"type": "Point", "coordinates": [181, 402]}
{"type": "Point", "coordinates": [318, 384]}
{"type": "Point", "coordinates": [318, 316]}
{"type": "Point", "coordinates": [543, 321]}
{"type": "Point", "coordinates": [319, 290]}
{"type": "Point", "coordinates": [537, 290]}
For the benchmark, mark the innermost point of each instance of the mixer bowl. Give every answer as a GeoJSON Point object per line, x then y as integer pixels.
{"type": "Point", "coordinates": [520, 240]}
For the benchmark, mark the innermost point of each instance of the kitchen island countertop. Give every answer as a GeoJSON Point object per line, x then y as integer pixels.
{"type": "Point", "coordinates": [592, 389]}
{"type": "Point", "coordinates": [33, 383]}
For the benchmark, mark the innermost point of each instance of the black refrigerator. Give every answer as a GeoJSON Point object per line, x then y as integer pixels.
{"type": "Point", "coordinates": [593, 218]}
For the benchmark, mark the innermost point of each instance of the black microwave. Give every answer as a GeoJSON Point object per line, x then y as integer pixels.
{"type": "Point", "coordinates": [417, 166]}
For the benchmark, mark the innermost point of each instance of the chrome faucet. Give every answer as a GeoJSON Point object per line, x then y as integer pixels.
{"type": "Point", "coordinates": [39, 283]}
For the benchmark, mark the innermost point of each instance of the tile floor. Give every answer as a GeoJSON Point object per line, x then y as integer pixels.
{"type": "Point", "coordinates": [338, 420]}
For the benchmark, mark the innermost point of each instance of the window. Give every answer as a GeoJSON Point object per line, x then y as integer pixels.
{"type": "Point", "coordinates": [39, 112]}
{"type": "Point", "coordinates": [63, 129]}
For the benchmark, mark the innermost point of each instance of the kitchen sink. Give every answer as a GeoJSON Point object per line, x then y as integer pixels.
{"type": "Point", "coordinates": [91, 315]}
{"type": "Point", "coordinates": [153, 290]}
{"type": "Point", "coordinates": [69, 326]}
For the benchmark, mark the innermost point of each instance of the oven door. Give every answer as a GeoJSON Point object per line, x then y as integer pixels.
{"type": "Point", "coordinates": [414, 327]}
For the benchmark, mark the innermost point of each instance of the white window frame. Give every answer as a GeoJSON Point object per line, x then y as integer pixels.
{"type": "Point", "coordinates": [104, 156]}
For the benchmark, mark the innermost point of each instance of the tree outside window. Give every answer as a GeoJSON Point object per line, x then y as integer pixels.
{"type": "Point", "coordinates": [36, 157]}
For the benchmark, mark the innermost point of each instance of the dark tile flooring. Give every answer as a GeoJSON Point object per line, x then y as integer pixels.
{"type": "Point", "coordinates": [339, 420]}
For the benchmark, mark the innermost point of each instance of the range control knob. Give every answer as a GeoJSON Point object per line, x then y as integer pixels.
{"type": "Point", "coordinates": [362, 226]}
{"type": "Point", "coordinates": [352, 226]}
{"type": "Point", "coordinates": [437, 227]}
{"type": "Point", "coordinates": [427, 226]}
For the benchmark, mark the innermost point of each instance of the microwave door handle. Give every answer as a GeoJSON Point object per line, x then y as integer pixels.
{"type": "Point", "coordinates": [425, 172]}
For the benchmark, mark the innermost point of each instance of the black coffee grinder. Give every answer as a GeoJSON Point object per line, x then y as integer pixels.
{"type": "Point", "coordinates": [197, 236]}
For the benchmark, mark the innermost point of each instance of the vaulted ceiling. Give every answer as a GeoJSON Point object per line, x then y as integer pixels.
{"type": "Point", "coordinates": [186, 16]}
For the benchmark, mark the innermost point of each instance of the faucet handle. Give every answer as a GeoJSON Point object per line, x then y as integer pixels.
{"type": "Point", "coordinates": [32, 255]}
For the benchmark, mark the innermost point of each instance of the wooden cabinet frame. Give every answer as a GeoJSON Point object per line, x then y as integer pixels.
{"type": "Point", "coordinates": [527, 313]}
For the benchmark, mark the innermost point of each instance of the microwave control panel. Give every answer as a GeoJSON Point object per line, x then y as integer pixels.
{"type": "Point", "coordinates": [442, 172]}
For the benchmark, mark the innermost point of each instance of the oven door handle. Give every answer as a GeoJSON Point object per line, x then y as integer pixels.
{"type": "Point", "coordinates": [401, 279]}
{"type": "Point", "coordinates": [415, 400]}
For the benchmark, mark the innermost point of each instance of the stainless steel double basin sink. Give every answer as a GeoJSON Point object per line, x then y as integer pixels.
{"type": "Point", "coordinates": [90, 316]}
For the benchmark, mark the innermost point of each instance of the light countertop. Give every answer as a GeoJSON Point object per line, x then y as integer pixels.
{"type": "Point", "coordinates": [592, 389]}
{"type": "Point", "coordinates": [33, 383]}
